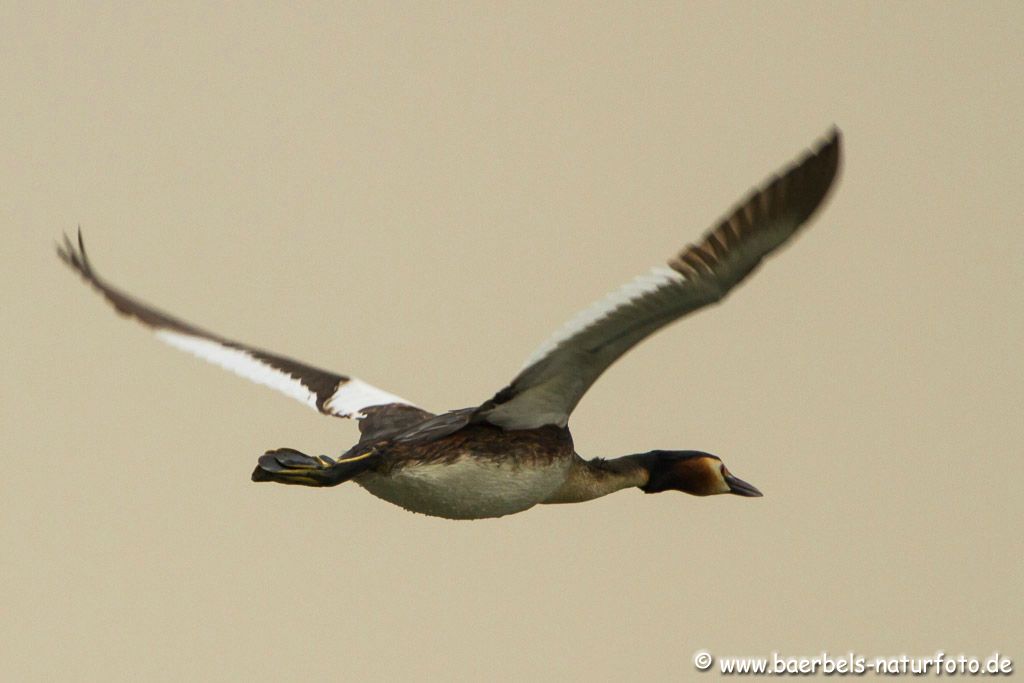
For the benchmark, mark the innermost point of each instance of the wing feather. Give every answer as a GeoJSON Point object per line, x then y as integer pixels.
{"type": "Point", "coordinates": [325, 391]}
{"type": "Point", "coordinates": [557, 375]}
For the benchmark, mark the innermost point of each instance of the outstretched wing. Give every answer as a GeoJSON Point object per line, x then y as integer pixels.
{"type": "Point", "coordinates": [558, 374]}
{"type": "Point", "coordinates": [327, 392]}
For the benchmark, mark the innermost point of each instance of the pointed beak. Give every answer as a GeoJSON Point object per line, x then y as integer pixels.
{"type": "Point", "coordinates": [741, 488]}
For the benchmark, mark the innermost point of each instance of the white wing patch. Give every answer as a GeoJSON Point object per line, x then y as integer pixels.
{"type": "Point", "coordinates": [241, 363]}
{"type": "Point", "coordinates": [348, 400]}
{"type": "Point", "coordinates": [658, 277]}
{"type": "Point", "coordinates": [353, 396]}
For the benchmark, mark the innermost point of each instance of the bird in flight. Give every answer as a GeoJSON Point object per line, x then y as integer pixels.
{"type": "Point", "coordinates": [514, 450]}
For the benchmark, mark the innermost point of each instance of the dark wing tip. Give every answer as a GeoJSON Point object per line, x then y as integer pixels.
{"type": "Point", "coordinates": [800, 188]}
{"type": "Point", "coordinates": [74, 255]}
{"type": "Point", "coordinates": [792, 195]}
{"type": "Point", "coordinates": [816, 172]}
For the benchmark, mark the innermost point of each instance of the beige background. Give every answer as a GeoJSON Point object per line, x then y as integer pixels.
{"type": "Point", "coordinates": [418, 195]}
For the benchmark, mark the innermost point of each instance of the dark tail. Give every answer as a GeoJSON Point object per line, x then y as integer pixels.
{"type": "Point", "coordinates": [288, 466]}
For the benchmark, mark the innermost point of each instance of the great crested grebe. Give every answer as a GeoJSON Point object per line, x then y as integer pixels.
{"type": "Point", "coordinates": [514, 451]}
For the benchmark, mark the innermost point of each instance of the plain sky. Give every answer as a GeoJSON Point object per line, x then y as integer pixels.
{"type": "Point", "coordinates": [418, 194]}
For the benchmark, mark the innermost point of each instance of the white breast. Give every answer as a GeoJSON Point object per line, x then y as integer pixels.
{"type": "Point", "coordinates": [469, 488]}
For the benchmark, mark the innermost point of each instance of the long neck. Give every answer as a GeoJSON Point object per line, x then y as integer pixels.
{"type": "Point", "coordinates": [589, 479]}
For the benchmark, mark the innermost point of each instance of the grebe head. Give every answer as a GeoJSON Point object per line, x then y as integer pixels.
{"type": "Point", "coordinates": [693, 472]}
